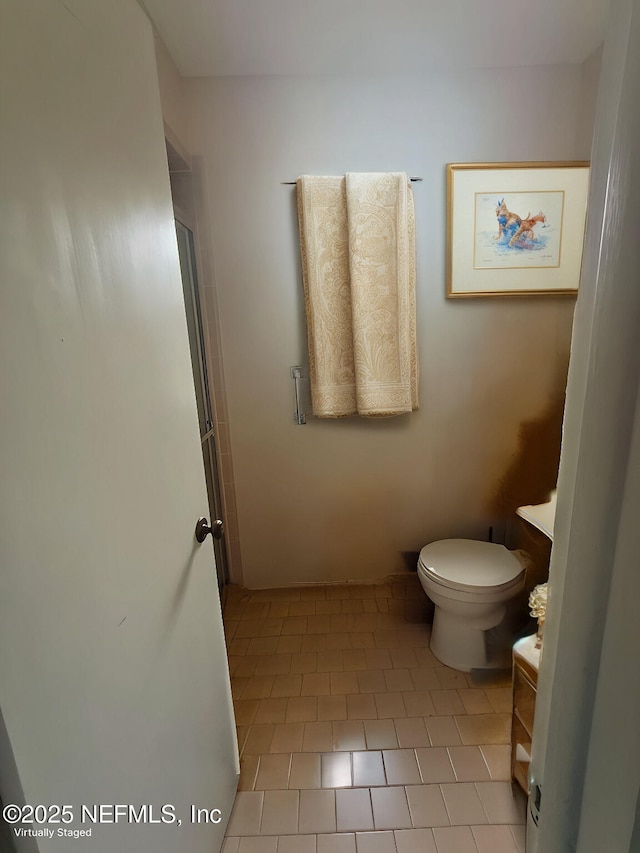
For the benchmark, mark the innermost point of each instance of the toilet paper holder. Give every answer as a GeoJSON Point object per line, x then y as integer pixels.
{"type": "Point", "coordinates": [299, 416]}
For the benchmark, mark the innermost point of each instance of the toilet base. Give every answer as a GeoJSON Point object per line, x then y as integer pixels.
{"type": "Point", "coordinates": [463, 647]}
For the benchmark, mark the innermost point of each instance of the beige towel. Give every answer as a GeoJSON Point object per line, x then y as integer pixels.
{"type": "Point", "coordinates": [382, 273]}
{"type": "Point", "coordinates": [322, 218]}
{"type": "Point", "coordinates": [357, 239]}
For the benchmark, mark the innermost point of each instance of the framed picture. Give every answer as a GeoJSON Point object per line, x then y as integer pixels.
{"type": "Point", "coordinates": [515, 229]}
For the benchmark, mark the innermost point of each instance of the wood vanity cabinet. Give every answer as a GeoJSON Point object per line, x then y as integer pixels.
{"type": "Point", "coordinates": [526, 660]}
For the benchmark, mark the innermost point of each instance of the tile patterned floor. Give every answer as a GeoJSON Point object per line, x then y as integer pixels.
{"type": "Point", "coordinates": [354, 738]}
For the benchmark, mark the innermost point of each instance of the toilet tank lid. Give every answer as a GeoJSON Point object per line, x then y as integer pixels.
{"type": "Point", "coordinates": [471, 562]}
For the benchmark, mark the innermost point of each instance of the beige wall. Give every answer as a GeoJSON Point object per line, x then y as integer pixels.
{"type": "Point", "coordinates": [336, 500]}
{"type": "Point", "coordinates": [589, 93]}
{"type": "Point", "coordinates": [172, 93]}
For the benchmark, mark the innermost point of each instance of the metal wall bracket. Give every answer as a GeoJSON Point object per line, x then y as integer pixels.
{"type": "Point", "coordinates": [299, 416]}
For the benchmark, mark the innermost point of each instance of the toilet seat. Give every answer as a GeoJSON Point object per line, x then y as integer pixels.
{"type": "Point", "coordinates": [470, 565]}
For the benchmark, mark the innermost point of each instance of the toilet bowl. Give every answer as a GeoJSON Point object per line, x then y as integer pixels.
{"type": "Point", "coordinates": [471, 584]}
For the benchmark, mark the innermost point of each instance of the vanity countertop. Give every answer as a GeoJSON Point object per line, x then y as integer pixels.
{"type": "Point", "coordinates": [541, 516]}
{"type": "Point", "coordinates": [526, 648]}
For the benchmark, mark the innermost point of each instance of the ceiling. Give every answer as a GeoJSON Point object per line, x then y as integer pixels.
{"type": "Point", "coordinates": [257, 37]}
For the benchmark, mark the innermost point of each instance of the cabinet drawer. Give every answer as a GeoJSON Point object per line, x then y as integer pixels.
{"type": "Point", "coordinates": [520, 754]}
{"type": "Point", "coordinates": [524, 699]}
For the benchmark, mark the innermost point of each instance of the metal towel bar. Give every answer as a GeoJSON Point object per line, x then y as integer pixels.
{"type": "Point", "coordinates": [293, 183]}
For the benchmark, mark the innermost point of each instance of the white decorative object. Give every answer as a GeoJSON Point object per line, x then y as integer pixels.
{"type": "Point", "coordinates": [538, 608]}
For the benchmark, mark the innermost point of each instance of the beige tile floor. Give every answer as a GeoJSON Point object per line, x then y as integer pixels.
{"type": "Point", "coordinates": [354, 738]}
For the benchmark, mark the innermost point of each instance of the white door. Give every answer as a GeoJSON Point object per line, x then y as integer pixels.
{"type": "Point", "coordinates": [114, 685]}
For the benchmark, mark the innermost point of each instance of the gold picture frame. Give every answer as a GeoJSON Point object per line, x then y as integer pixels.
{"type": "Point", "coordinates": [494, 248]}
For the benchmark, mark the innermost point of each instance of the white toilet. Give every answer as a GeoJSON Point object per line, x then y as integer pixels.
{"type": "Point", "coordinates": [471, 583]}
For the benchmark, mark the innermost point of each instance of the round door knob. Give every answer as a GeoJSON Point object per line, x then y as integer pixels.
{"type": "Point", "coordinates": [203, 528]}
